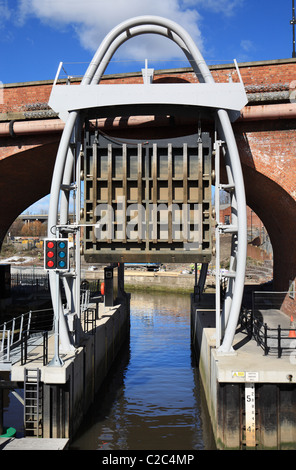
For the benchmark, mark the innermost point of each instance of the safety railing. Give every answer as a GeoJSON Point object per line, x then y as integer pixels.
{"type": "Point", "coordinates": [89, 293]}
{"type": "Point", "coordinates": [17, 331]}
{"type": "Point", "coordinates": [84, 300]}
{"type": "Point", "coordinates": [22, 283]}
{"type": "Point", "coordinates": [277, 341]}
{"type": "Point", "coordinates": [25, 350]}
{"type": "Point", "coordinates": [11, 333]}
{"type": "Point", "coordinates": [89, 320]}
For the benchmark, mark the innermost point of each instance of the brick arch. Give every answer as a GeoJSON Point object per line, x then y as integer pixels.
{"type": "Point", "coordinates": [27, 179]}
{"type": "Point", "coordinates": [277, 210]}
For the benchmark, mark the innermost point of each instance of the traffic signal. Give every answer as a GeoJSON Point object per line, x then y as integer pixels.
{"type": "Point", "coordinates": [50, 254]}
{"type": "Point", "coordinates": [56, 254]}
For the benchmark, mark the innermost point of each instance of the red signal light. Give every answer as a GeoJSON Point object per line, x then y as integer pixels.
{"type": "Point", "coordinates": [50, 254]}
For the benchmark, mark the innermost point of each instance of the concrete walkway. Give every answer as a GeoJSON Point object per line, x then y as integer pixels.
{"type": "Point", "coordinates": [27, 443]}
{"type": "Point", "coordinates": [248, 357]}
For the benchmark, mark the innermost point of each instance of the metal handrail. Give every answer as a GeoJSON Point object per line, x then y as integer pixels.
{"type": "Point", "coordinates": [89, 320]}
{"type": "Point", "coordinates": [24, 347]}
{"type": "Point", "coordinates": [269, 339]}
{"type": "Point", "coordinates": [21, 323]}
{"type": "Point", "coordinates": [15, 331]}
{"type": "Point", "coordinates": [25, 283]}
{"type": "Point", "coordinates": [5, 351]}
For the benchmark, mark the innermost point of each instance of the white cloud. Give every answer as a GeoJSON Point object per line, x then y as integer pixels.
{"type": "Point", "coordinates": [246, 45]}
{"type": "Point", "coordinates": [227, 7]}
{"type": "Point", "coordinates": [93, 19]}
{"type": "Point", "coordinates": [5, 12]}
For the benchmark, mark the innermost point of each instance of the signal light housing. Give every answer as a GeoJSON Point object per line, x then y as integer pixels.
{"type": "Point", "coordinates": [56, 254]}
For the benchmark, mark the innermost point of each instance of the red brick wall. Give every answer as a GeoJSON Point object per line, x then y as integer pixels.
{"type": "Point", "coordinates": [267, 150]}
{"type": "Point", "coordinates": [252, 218]}
{"type": "Point", "coordinates": [270, 148]}
{"type": "Point", "coordinates": [262, 73]}
{"type": "Point", "coordinates": [17, 96]}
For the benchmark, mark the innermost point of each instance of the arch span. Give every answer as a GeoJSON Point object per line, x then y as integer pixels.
{"type": "Point", "coordinates": [277, 210]}
{"type": "Point", "coordinates": [20, 189]}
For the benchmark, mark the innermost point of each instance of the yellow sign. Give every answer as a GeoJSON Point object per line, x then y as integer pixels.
{"type": "Point", "coordinates": [238, 374]}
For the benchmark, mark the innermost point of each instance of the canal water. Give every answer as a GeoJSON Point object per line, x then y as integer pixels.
{"type": "Point", "coordinates": [152, 398]}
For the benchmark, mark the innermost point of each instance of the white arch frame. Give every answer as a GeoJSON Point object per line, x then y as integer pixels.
{"type": "Point", "coordinates": [66, 159]}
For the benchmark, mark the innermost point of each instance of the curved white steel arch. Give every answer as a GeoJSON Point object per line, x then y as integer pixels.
{"type": "Point", "coordinates": [64, 160]}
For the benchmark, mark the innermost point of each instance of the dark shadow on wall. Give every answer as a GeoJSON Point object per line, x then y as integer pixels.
{"type": "Point", "coordinates": [25, 178]}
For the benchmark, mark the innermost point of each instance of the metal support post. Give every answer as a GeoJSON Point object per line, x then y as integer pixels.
{"type": "Point", "coordinates": [120, 280]}
{"type": "Point", "coordinates": [217, 236]}
{"type": "Point", "coordinates": [56, 361]}
{"type": "Point", "coordinates": [293, 22]}
{"type": "Point", "coordinates": [77, 233]}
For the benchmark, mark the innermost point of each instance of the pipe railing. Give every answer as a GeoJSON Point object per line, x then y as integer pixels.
{"type": "Point", "coordinates": [274, 341]}
{"type": "Point", "coordinates": [17, 331]}
{"type": "Point", "coordinates": [24, 347]}
{"type": "Point", "coordinates": [29, 283]}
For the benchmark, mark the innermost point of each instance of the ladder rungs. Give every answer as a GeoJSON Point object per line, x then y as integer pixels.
{"type": "Point", "coordinates": [32, 402]}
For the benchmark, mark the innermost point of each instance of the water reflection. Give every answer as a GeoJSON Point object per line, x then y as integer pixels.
{"type": "Point", "coordinates": [152, 398]}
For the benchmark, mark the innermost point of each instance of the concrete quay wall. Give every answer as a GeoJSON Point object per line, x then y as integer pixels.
{"type": "Point", "coordinates": [160, 281]}
{"type": "Point", "coordinates": [270, 424]}
{"type": "Point", "coordinates": [156, 281]}
{"type": "Point", "coordinates": [97, 355]}
{"type": "Point", "coordinates": [69, 390]}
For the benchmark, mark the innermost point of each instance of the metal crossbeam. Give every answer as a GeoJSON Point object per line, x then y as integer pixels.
{"type": "Point", "coordinates": [126, 98]}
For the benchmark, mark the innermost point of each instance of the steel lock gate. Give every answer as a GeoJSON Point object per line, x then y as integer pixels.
{"type": "Point", "coordinates": [147, 201]}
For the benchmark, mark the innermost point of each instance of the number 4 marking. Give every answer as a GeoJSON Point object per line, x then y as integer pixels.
{"type": "Point", "coordinates": [250, 414]}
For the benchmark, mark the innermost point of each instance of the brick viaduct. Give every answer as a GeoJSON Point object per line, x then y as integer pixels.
{"type": "Point", "coordinates": [265, 134]}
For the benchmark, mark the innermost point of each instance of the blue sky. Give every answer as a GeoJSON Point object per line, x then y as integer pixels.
{"type": "Point", "coordinates": [35, 35]}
